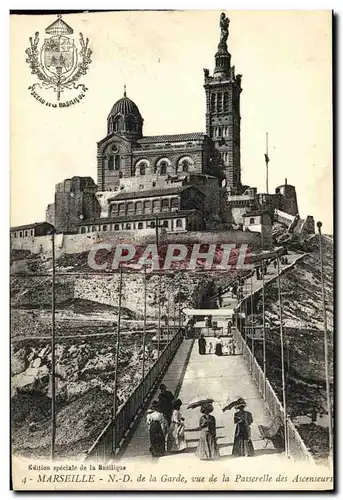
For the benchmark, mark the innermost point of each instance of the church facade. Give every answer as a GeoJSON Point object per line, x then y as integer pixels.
{"type": "Point", "coordinates": [179, 182]}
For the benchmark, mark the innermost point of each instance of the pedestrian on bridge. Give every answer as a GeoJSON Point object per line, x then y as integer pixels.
{"type": "Point", "coordinates": [165, 400]}
{"type": "Point", "coordinates": [176, 434]}
{"type": "Point", "coordinates": [242, 444]}
{"type": "Point", "coordinates": [219, 347]}
{"type": "Point", "coordinates": [158, 428]}
{"type": "Point", "coordinates": [207, 448]}
{"type": "Point", "coordinates": [202, 344]}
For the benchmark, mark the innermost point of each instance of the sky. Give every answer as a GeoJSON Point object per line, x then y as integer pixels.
{"type": "Point", "coordinates": [284, 57]}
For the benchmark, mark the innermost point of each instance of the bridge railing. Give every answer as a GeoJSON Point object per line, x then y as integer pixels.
{"type": "Point", "coordinates": [296, 446]}
{"type": "Point", "coordinates": [113, 435]}
{"type": "Point", "coordinates": [209, 331]}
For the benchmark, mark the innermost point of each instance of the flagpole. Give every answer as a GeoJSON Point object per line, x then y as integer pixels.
{"type": "Point", "coordinates": [326, 350]}
{"type": "Point", "coordinates": [266, 157]}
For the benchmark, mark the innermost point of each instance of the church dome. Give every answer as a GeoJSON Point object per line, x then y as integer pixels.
{"type": "Point", "coordinates": [125, 117]}
{"type": "Point", "coordinates": [125, 107]}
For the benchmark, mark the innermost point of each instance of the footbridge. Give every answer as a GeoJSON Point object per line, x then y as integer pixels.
{"type": "Point", "coordinates": [188, 374]}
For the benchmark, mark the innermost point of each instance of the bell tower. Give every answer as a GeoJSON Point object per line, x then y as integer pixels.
{"type": "Point", "coordinates": [223, 120]}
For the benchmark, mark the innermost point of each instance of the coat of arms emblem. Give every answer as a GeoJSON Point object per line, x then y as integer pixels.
{"type": "Point", "coordinates": [58, 64]}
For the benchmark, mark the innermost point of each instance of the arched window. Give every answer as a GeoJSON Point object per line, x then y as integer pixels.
{"type": "Point", "coordinates": [165, 223]}
{"type": "Point", "coordinates": [178, 223]}
{"type": "Point", "coordinates": [128, 226]}
{"type": "Point", "coordinates": [142, 169]}
{"type": "Point", "coordinates": [163, 167]}
{"type": "Point", "coordinates": [83, 230]}
{"type": "Point", "coordinates": [15, 234]}
{"type": "Point", "coordinates": [120, 175]}
{"type": "Point", "coordinates": [93, 229]}
{"type": "Point", "coordinates": [252, 220]}
{"type": "Point", "coordinates": [140, 225]}
{"type": "Point", "coordinates": [116, 227]}
{"type": "Point", "coordinates": [152, 224]}
{"type": "Point", "coordinates": [25, 234]}
{"type": "Point", "coordinates": [185, 166]}
{"type": "Point", "coordinates": [213, 102]}
{"type": "Point", "coordinates": [117, 162]}
{"type": "Point", "coordinates": [111, 163]}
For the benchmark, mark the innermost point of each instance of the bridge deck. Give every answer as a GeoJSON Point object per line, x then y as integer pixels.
{"type": "Point", "coordinates": [222, 378]}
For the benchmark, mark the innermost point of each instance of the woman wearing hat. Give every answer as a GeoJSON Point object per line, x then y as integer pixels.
{"type": "Point", "coordinates": [242, 444]}
{"type": "Point", "coordinates": [207, 448]}
{"type": "Point", "coordinates": [176, 434]}
{"type": "Point", "coordinates": [158, 428]}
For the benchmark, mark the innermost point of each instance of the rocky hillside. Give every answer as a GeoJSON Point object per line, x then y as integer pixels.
{"type": "Point", "coordinates": [303, 341]}
{"type": "Point", "coordinates": [86, 318]}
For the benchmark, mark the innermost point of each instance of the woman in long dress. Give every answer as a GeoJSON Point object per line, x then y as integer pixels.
{"type": "Point", "coordinates": [176, 434]}
{"type": "Point", "coordinates": [219, 348]}
{"type": "Point", "coordinates": [242, 444]}
{"type": "Point", "coordinates": [207, 448]}
{"type": "Point", "coordinates": [202, 344]}
{"type": "Point", "coordinates": [158, 428]}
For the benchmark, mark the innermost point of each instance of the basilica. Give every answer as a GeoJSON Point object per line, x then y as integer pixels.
{"type": "Point", "coordinates": [179, 182]}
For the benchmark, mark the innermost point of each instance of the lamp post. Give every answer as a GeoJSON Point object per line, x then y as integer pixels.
{"type": "Point", "coordinates": [326, 349]}
{"type": "Point", "coordinates": [53, 353]}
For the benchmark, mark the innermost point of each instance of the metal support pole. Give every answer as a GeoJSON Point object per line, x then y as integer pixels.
{"type": "Point", "coordinates": [159, 315]}
{"type": "Point", "coordinates": [264, 337]}
{"type": "Point", "coordinates": [53, 353]}
{"type": "Point", "coordinates": [144, 325]}
{"type": "Point", "coordinates": [180, 302]}
{"type": "Point", "coordinates": [252, 320]}
{"type": "Point", "coordinates": [326, 350]}
{"type": "Point", "coordinates": [159, 290]}
{"type": "Point", "coordinates": [168, 316]}
{"type": "Point", "coordinates": [282, 360]}
{"type": "Point", "coordinates": [267, 162]}
{"type": "Point", "coordinates": [115, 404]}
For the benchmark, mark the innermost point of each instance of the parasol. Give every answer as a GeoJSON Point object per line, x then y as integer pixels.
{"type": "Point", "coordinates": [199, 401]}
{"type": "Point", "coordinates": [234, 403]}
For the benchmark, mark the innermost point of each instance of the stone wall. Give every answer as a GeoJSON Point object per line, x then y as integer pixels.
{"type": "Point", "coordinates": [78, 243]}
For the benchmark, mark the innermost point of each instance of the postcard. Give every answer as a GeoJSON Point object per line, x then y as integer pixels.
{"type": "Point", "coordinates": [172, 269]}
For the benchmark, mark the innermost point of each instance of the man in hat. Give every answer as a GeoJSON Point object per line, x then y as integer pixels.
{"type": "Point", "coordinates": [165, 400]}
